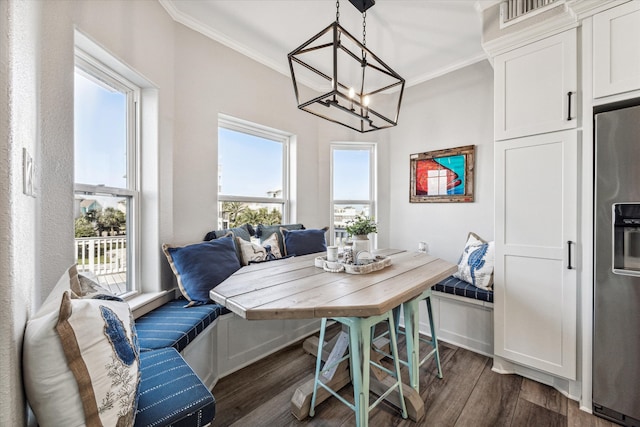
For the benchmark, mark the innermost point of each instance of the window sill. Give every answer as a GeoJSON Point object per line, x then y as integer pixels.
{"type": "Point", "coordinates": [145, 302]}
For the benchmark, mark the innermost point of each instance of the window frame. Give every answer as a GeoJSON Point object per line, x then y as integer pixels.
{"type": "Point", "coordinates": [104, 75]}
{"type": "Point", "coordinates": [260, 131]}
{"type": "Point", "coordinates": [373, 184]}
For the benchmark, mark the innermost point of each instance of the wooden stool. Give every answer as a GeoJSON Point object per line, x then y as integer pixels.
{"type": "Point", "coordinates": [359, 364]}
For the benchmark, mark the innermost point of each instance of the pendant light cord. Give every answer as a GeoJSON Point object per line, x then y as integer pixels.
{"type": "Point", "coordinates": [337, 10]}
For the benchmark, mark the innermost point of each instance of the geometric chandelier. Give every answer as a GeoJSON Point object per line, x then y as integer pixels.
{"type": "Point", "coordinates": [339, 79]}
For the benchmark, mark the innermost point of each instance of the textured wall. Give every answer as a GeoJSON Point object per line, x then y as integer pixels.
{"type": "Point", "coordinates": [36, 97]}
{"type": "Point", "coordinates": [450, 111]}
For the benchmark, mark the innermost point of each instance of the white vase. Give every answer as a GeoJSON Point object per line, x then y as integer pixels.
{"type": "Point", "coordinates": [361, 243]}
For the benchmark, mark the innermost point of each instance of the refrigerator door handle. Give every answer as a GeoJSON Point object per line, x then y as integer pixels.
{"type": "Point", "coordinates": [569, 266]}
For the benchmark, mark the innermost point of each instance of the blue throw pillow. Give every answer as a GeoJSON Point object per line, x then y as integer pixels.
{"type": "Point", "coordinates": [303, 242]}
{"type": "Point", "coordinates": [202, 266]}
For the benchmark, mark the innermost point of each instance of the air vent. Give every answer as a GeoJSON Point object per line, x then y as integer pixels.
{"type": "Point", "coordinates": [512, 11]}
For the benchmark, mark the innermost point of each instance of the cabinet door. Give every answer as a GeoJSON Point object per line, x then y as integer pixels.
{"type": "Point", "coordinates": [532, 86]}
{"type": "Point", "coordinates": [535, 290]}
{"type": "Point", "coordinates": [616, 50]}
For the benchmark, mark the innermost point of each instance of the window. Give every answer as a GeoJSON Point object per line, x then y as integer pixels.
{"type": "Point", "coordinates": [353, 185]}
{"type": "Point", "coordinates": [106, 174]}
{"type": "Point", "coordinates": [252, 174]}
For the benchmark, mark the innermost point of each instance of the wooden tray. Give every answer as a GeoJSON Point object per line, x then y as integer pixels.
{"type": "Point", "coordinates": [378, 263]}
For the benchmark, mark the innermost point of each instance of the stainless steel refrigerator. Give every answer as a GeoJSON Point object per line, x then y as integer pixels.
{"type": "Point", "coordinates": [616, 339]}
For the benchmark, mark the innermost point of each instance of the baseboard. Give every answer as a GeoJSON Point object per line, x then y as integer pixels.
{"type": "Point", "coordinates": [569, 388]}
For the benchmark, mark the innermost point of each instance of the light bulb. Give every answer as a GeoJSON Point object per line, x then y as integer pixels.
{"type": "Point", "coordinates": [352, 93]}
{"type": "Point", "coordinates": [366, 101]}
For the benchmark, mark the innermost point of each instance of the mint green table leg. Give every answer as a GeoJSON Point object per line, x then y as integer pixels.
{"type": "Point", "coordinates": [412, 335]}
{"type": "Point", "coordinates": [412, 325]}
{"type": "Point", "coordinates": [360, 333]}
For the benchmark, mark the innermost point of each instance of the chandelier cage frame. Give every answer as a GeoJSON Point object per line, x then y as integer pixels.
{"type": "Point", "coordinates": [352, 103]}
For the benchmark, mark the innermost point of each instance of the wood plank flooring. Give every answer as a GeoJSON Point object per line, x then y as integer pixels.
{"type": "Point", "coordinates": [470, 394]}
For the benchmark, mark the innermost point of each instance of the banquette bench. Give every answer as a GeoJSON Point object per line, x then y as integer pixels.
{"type": "Point", "coordinates": [84, 363]}
{"type": "Point", "coordinates": [171, 393]}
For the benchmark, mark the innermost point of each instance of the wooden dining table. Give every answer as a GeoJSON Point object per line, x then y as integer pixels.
{"type": "Point", "coordinates": [294, 288]}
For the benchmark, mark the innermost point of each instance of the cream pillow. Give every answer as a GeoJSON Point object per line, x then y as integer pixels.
{"type": "Point", "coordinates": [476, 262]}
{"type": "Point", "coordinates": [251, 252]}
{"type": "Point", "coordinates": [51, 388]}
{"type": "Point", "coordinates": [101, 347]}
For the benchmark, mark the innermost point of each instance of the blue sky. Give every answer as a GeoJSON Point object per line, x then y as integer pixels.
{"type": "Point", "coordinates": [100, 134]}
{"type": "Point", "coordinates": [250, 166]}
{"type": "Point", "coordinates": [351, 171]}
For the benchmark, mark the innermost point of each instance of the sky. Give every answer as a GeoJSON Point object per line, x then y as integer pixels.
{"type": "Point", "coordinates": [99, 134]}
{"type": "Point", "coordinates": [249, 165]}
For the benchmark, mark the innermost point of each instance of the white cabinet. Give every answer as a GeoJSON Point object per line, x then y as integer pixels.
{"type": "Point", "coordinates": [616, 50]}
{"type": "Point", "coordinates": [535, 87]}
{"type": "Point", "coordinates": [535, 302]}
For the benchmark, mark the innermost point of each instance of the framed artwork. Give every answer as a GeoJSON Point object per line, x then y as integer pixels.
{"type": "Point", "coordinates": [442, 175]}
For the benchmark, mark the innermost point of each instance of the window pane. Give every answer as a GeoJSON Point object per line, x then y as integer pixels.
{"type": "Point", "coordinates": [248, 165]}
{"type": "Point", "coordinates": [351, 173]}
{"type": "Point", "coordinates": [100, 133]}
{"type": "Point", "coordinates": [101, 224]}
{"type": "Point", "coordinates": [235, 214]}
{"type": "Point", "coordinates": [344, 213]}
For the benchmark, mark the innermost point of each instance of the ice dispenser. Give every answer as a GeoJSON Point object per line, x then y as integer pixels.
{"type": "Point", "coordinates": [626, 238]}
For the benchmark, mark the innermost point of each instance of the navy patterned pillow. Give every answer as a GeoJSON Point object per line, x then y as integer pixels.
{"type": "Point", "coordinates": [202, 266]}
{"type": "Point", "coordinates": [476, 262]}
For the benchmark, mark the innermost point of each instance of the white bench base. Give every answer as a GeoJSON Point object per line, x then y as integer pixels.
{"type": "Point", "coordinates": [461, 321]}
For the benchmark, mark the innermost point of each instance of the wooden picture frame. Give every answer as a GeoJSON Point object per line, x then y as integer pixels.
{"type": "Point", "coordinates": [442, 175]}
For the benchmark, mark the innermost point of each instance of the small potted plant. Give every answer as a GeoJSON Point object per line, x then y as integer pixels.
{"type": "Point", "coordinates": [359, 230]}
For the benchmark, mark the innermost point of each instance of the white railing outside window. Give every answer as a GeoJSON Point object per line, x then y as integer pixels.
{"type": "Point", "coordinates": [102, 255]}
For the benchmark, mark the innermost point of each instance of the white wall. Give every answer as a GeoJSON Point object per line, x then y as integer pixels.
{"type": "Point", "coordinates": [450, 111]}
{"type": "Point", "coordinates": [37, 98]}
{"type": "Point", "coordinates": [212, 79]}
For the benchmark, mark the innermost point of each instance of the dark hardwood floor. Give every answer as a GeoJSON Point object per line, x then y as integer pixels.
{"type": "Point", "coordinates": [470, 394]}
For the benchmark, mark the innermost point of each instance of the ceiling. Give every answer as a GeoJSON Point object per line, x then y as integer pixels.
{"type": "Point", "coordinates": [419, 39]}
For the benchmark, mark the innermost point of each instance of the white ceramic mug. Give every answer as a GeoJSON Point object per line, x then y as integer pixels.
{"type": "Point", "coordinates": [332, 253]}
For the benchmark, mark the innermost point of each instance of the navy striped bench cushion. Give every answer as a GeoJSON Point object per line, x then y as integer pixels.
{"type": "Point", "coordinates": [170, 393]}
{"type": "Point", "coordinates": [454, 286]}
{"type": "Point", "coordinates": [173, 325]}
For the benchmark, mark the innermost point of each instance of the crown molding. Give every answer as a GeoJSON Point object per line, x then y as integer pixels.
{"type": "Point", "coordinates": [282, 67]}
{"type": "Point", "coordinates": [546, 28]}
{"type": "Point", "coordinates": [445, 70]}
{"type": "Point", "coordinates": [213, 34]}
{"type": "Point", "coordinates": [586, 8]}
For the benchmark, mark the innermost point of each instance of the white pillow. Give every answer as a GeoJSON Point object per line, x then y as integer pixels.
{"type": "Point", "coordinates": [251, 252]}
{"type": "Point", "coordinates": [476, 262]}
{"type": "Point", "coordinates": [101, 347]}
{"type": "Point", "coordinates": [51, 388]}
{"type": "Point", "coordinates": [50, 385]}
